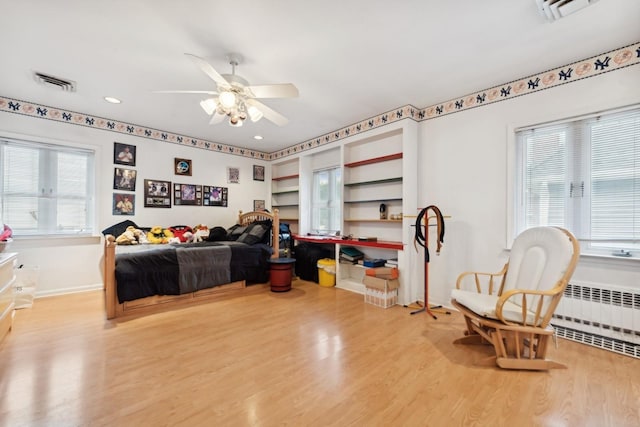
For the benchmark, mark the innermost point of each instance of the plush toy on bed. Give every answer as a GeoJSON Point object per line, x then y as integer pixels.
{"type": "Point", "coordinates": [128, 237]}
{"type": "Point", "coordinates": [200, 233]}
{"type": "Point", "coordinates": [179, 231]}
{"type": "Point", "coordinates": [158, 234]}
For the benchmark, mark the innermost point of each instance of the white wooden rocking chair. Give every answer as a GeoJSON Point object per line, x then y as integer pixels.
{"type": "Point", "coordinates": [515, 317]}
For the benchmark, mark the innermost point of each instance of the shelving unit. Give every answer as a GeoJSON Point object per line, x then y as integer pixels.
{"type": "Point", "coordinates": [373, 175]}
{"type": "Point", "coordinates": [377, 166]}
{"type": "Point", "coordinates": [285, 191]}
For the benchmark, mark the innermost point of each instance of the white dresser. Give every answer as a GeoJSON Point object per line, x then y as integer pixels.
{"type": "Point", "coordinates": [7, 277]}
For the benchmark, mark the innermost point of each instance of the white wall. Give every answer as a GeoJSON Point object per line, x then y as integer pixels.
{"type": "Point", "coordinates": [463, 170]}
{"type": "Point", "coordinates": [72, 264]}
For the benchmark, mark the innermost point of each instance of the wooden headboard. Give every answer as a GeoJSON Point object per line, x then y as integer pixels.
{"type": "Point", "coordinates": [249, 217]}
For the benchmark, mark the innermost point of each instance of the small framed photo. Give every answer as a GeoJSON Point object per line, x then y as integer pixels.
{"type": "Point", "coordinates": [182, 166]}
{"type": "Point", "coordinates": [233, 175]}
{"type": "Point", "coordinates": [187, 194]}
{"type": "Point", "coordinates": [258, 173]}
{"type": "Point", "coordinates": [124, 204]}
{"type": "Point", "coordinates": [157, 194]}
{"type": "Point", "coordinates": [124, 179]}
{"type": "Point", "coordinates": [124, 154]}
{"type": "Point", "coordinates": [214, 196]}
{"type": "Point", "coordinates": [258, 205]}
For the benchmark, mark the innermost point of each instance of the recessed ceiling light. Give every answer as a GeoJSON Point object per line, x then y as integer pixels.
{"type": "Point", "coordinates": [257, 137]}
{"type": "Point", "coordinates": [112, 100]}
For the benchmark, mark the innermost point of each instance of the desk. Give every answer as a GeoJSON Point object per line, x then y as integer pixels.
{"type": "Point", "coordinates": [280, 274]}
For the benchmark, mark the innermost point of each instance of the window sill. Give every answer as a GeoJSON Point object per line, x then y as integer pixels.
{"type": "Point", "coordinates": [43, 241]}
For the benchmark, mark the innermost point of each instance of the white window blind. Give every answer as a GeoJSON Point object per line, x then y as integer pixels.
{"type": "Point", "coordinates": [583, 175]}
{"type": "Point", "coordinates": [46, 189]}
{"type": "Point", "coordinates": [326, 201]}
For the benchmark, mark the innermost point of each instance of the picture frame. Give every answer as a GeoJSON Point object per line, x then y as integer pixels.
{"type": "Point", "coordinates": [187, 194]}
{"type": "Point", "coordinates": [258, 206]}
{"type": "Point", "coordinates": [124, 154]}
{"type": "Point", "coordinates": [233, 175]}
{"type": "Point", "coordinates": [182, 166]}
{"type": "Point", "coordinates": [157, 193]}
{"type": "Point", "coordinates": [124, 204]}
{"type": "Point", "coordinates": [124, 179]}
{"type": "Point", "coordinates": [258, 173]}
{"type": "Point", "coordinates": [215, 196]}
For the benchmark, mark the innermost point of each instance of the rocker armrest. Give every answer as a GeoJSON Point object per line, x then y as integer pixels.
{"type": "Point", "coordinates": [489, 279]}
{"type": "Point", "coordinates": [519, 297]}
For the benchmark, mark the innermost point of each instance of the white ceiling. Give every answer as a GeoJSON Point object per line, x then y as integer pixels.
{"type": "Point", "coordinates": [350, 59]}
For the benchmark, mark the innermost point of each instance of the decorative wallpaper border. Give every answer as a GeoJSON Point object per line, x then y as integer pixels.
{"type": "Point", "coordinates": [50, 113]}
{"type": "Point", "coordinates": [594, 66]}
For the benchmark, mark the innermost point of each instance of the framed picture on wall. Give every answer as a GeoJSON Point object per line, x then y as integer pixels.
{"type": "Point", "coordinates": [187, 194]}
{"type": "Point", "coordinates": [124, 179]}
{"type": "Point", "coordinates": [258, 205]}
{"type": "Point", "coordinates": [124, 204]}
{"type": "Point", "coordinates": [157, 194]}
{"type": "Point", "coordinates": [182, 166]}
{"type": "Point", "coordinates": [233, 175]}
{"type": "Point", "coordinates": [258, 173]}
{"type": "Point", "coordinates": [124, 154]}
{"type": "Point", "coordinates": [214, 196]}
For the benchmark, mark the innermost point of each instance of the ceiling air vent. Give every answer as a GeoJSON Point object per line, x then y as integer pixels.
{"type": "Point", "coordinates": [56, 82]}
{"type": "Point", "coordinates": [553, 10]}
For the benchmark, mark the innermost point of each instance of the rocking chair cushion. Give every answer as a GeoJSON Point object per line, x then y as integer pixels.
{"type": "Point", "coordinates": [485, 305]}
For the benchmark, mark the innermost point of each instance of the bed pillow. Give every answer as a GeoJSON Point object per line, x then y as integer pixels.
{"type": "Point", "coordinates": [235, 231]}
{"type": "Point", "coordinates": [256, 232]}
{"type": "Point", "coordinates": [217, 234]}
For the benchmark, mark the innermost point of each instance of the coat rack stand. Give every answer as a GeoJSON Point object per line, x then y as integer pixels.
{"type": "Point", "coordinates": [423, 240]}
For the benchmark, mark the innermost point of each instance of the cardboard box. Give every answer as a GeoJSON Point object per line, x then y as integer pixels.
{"type": "Point", "coordinates": [383, 272]}
{"type": "Point", "coordinates": [381, 298]}
{"type": "Point", "coordinates": [384, 285]}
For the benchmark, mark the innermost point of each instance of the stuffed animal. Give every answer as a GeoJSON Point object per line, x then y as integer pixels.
{"type": "Point", "coordinates": [200, 233]}
{"type": "Point", "coordinates": [179, 232]}
{"type": "Point", "coordinates": [141, 236]}
{"type": "Point", "coordinates": [128, 237]}
{"type": "Point", "coordinates": [189, 236]}
{"type": "Point", "coordinates": [158, 234]}
{"type": "Point", "coordinates": [6, 233]}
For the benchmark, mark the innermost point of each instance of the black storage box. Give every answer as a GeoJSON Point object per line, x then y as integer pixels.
{"type": "Point", "coordinates": [307, 256]}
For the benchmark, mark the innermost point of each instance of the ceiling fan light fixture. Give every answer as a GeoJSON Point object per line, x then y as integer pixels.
{"type": "Point", "coordinates": [227, 99]}
{"type": "Point", "coordinates": [209, 105]}
{"type": "Point", "coordinates": [235, 121]}
{"type": "Point", "coordinates": [255, 114]}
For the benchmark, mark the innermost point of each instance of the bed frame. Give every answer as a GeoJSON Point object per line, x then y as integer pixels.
{"type": "Point", "coordinates": [159, 303]}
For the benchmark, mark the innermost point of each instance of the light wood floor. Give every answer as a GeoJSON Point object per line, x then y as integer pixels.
{"type": "Point", "coordinates": [313, 356]}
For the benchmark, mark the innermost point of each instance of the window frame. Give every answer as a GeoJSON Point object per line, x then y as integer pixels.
{"type": "Point", "coordinates": [581, 215]}
{"type": "Point", "coordinates": [93, 202]}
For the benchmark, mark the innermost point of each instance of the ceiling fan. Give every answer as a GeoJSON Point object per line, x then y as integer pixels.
{"type": "Point", "coordinates": [235, 98]}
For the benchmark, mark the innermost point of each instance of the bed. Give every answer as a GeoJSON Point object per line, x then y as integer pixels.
{"type": "Point", "coordinates": [178, 275]}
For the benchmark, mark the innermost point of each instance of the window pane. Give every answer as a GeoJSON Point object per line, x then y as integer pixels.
{"type": "Point", "coordinates": [615, 179]}
{"type": "Point", "coordinates": [545, 178]}
{"type": "Point", "coordinates": [326, 204]}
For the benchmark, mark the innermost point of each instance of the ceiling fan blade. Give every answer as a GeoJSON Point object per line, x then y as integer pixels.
{"type": "Point", "coordinates": [268, 113]}
{"type": "Point", "coordinates": [210, 92]}
{"type": "Point", "coordinates": [208, 70]}
{"type": "Point", "coordinates": [216, 118]}
{"type": "Point", "coordinates": [283, 90]}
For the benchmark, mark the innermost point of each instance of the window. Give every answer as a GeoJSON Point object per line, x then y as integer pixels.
{"type": "Point", "coordinates": [46, 189]}
{"type": "Point", "coordinates": [326, 201]}
{"type": "Point", "coordinates": [583, 175]}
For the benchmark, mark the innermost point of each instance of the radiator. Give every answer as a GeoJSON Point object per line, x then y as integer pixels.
{"type": "Point", "coordinates": [600, 315]}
